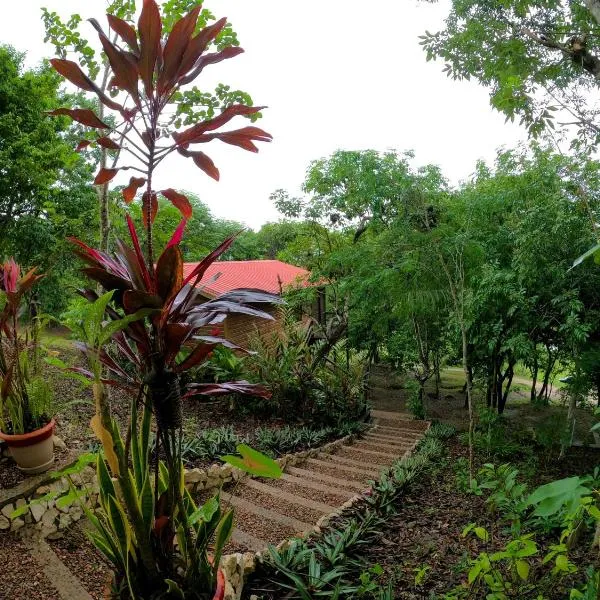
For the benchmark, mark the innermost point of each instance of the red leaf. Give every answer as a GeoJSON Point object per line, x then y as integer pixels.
{"type": "Point", "coordinates": [105, 175]}
{"type": "Point", "coordinates": [135, 183]}
{"type": "Point", "coordinates": [179, 201]}
{"type": "Point", "coordinates": [134, 300]}
{"type": "Point", "coordinates": [82, 144]}
{"type": "Point", "coordinates": [175, 336]}
{"type": "Point", "coordinates": [196, 356]}
{"type": "Point", "coordinates": [210, 59]}
{"type": "Point", "coordinates": [107, 143]}
{"type": "Point", "coordinates": [205, 163]}
{"type": "Point", "coordinates": [153, 208]}
{"type": "Point", "coordinates": [169, 273]}
{"type": "Point", "coordinates": [138, 252]}
{"type": "Point", "coordinates": [150, 29]}
{"type": "Point", "coordinates": [177, 234]}
{"type": "Point", "coordinates": [85, 116]}
{"type": "Point", "coordinates": [125, 30]}
{"type": "Point", "coordinates": [199, 43]}
{"type": "Point", "coordinates": [123, 65]}
{"type": "Point", "coordinates": [189, 135]}
{"type": "Point", "coordinates": [174, 50]}
{"type": "Point", "coordinates": [71, 71]}
{"type": "Point", "coordinates": [242, 137]}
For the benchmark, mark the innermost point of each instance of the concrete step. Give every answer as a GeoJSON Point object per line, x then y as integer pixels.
{"type": "Point", "coordinates": [358, 468]}
{"type": "Point", "coordinates": [65, 582]}
{"type": "Point", "coordinates": [367, 452]}
{"type": "Point", "coordinates": [336, 458]}
{"type": "Point", "coordinates": [340, 483]}
{"type": "Point", "coordinates": [317, 487]}
{"type": "Point", "coordinates": [247, 540]}
{"type": "Point", "coordinates": [267, 514]}
{"type": "Point", "coordinates": [282, 494]}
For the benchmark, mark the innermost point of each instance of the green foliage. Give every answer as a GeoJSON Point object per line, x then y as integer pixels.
{"type": "Point", "coordinates": [210, 444]}
{"type": "Point", "coordinates": [307, 380]}
{"type": "Point", "coordinates": [535, 58]}
{"type": "Point", "coordinates": [414, 401]}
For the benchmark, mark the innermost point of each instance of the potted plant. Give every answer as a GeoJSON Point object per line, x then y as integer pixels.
{"type": "Point", "coordinates": [25, 397]}
{"type": "Point", "coordinates": [159, 542]}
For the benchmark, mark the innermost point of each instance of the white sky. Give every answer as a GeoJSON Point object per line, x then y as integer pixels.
{"type": "Point", "coordinates": [336, 74]}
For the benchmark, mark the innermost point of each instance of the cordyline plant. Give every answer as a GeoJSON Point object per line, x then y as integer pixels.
{"type": "Point", "coordinates": [155, 318]}
{"type": "Point", "coordinates": [24, 395]}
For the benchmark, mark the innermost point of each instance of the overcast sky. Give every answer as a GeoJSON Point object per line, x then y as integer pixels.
{"type": "Point", "coordinates": [335, 74]}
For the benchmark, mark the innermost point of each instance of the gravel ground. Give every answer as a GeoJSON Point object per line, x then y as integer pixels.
{"type": "Point", "coordinates": [21, 576]}
{"type": "Point", "coordinates": [302, 513]}
{"type": "Point", "coordinates": [81, 558]}
{"type": "Point", "coordinates": [270, 532]}
{"type": "Point", "coordinates": [330, 498]}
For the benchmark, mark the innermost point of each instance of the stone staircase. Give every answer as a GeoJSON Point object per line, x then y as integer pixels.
{"type": "Point", "coordinates": [271, 511]}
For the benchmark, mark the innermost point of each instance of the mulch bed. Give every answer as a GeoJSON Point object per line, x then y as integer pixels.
{"type": "Point", "coordinates": [431, 516]}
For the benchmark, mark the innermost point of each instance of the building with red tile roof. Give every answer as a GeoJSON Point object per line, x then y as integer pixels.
{"type": "Point", "coordinates": [273, 276]}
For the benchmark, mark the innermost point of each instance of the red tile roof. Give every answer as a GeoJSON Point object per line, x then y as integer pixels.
{"type": "Point", "coordinates": [266, 275]}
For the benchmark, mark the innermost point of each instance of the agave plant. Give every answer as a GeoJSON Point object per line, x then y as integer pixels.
{"type": "Point", "coordinates": [156, 319]}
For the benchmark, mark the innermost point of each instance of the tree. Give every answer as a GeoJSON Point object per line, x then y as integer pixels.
{"type": "Point", "coordinates": [43, 181]}
{"type": "Point", "coordinates": [192, 106]}
{"type": "Point", "coordinates": [540, 60]}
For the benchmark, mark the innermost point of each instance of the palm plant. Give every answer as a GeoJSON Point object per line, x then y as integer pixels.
{"type": "Point", "coordinates": [155, 318]}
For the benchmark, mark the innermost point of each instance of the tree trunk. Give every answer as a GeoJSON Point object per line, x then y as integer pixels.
{"type": "Point", "coordinates": [543, 394]}
{"type": "Point", "coordinates": [534, 375]}
{"type": "Point", "coordinates": [510, 371]}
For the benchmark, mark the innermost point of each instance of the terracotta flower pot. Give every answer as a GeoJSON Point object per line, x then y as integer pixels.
{"type": "Point", "coordinates": [33, 452]}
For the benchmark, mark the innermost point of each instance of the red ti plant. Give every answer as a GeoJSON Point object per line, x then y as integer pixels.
{"type": "Point", "coordinates": [23, 394]}
{"type": "Point", "coordinates": [156, 317]}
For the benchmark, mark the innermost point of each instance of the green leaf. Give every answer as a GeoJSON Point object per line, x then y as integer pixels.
{"type": "Point", "coordinates": [523, 569]}
{"type": "Point", "coordinates": [206, 511]}
{"type": "Point", "coordinates": [591, 252]}
{"type": "Point", "coordinates": [174, 591]}
{"type": "Point", "coordinates": [481, 533]}
{"type": "Point", "coordinates": [254, 462]}
{"type": "Point", "coordinates": [222, 535]}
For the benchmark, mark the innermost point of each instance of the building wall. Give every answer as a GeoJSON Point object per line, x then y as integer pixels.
{"type": "Point", "coordinates": [241, 328]}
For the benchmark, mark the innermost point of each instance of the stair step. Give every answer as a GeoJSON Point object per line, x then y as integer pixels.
{"type": "Point", "coordinates": [392, 439]}
{"type": "Point", "coordinates": [248, 540]}
{"type": "Point", "coordinates": [316, 486]}
{"type": "Point", "coordinates": [367, 452]}
{"type": "Point", "coordinates": [293, 499]}
{"type": "Point", "coordinates": [328, 478]}
{"type": "Point", "coordinates": [379, 446]}
{"type": "Point", "coordinates": [359, 469]}
{"type": "Point", "coordinates": [268, 514]}
{"type": "Point", "coordinates": [65, 582]}
{"type": "Point", "coordinates": [353, 462]}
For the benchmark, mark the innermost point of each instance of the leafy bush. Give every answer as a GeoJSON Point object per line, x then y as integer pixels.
{"type": "Point", "coordinates": [414, 400]}
{"type": "Point", "coordinates": [307, 380]}
{"type": "Point", "coordinates": [211, 444]}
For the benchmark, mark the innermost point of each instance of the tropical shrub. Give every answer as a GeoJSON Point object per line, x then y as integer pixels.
{"type": "Point", "coordinates": [148, 526]}
{"type": "Point", "coordinates": [307, 380]}
{"type": "Point", "coordinates": [25, 396]}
